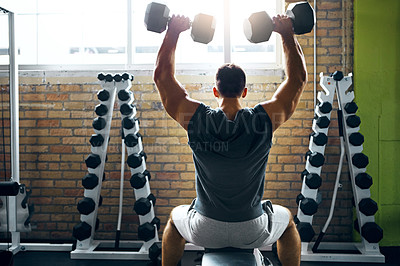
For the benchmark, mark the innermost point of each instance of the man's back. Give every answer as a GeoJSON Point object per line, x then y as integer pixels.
{"type": "Point", "coordinates": [230, 158]}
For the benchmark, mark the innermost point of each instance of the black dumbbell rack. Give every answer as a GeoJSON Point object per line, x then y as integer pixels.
{"type": "Point", "coordinates": [86, 246]}
{"type": "Point", "coordinates": [351, 146]}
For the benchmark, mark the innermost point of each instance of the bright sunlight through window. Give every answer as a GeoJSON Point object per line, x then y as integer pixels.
{"type": "Point", "coordinates": [101, 32]}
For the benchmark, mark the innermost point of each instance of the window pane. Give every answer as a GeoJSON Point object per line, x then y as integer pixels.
{"type": "Point", "coordinates": [26, 37]}
{"type": "Point", "coordinates": [60, 33]}
{"type": "Point", "coordinates": [242, 50]}
{"type": "Point", "coordinates": [4, 59]}
{"type": "Point", "coordinates": [95, 32]}
{"type": "Point", "coordinates": [146, 44]}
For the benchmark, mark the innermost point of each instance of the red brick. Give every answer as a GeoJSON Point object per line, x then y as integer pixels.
{"type": "Point", "coordinates": [167, 176]}
{"type": "Point", "coordinates": [60, 132]}
{"type": "Point", "coordinates": [48, 123]}
{"type": "Point", "coordinates": [56, 97]}
{"type": "Point", "coordinates": [60, 149]}
{"type": "Point", "coordinates": [36, 97]}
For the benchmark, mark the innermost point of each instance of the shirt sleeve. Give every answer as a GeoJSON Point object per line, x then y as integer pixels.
{"type": "Point", "coordinates": [264, 119]}
{"type": "Point", "coordinates": [196, 123]}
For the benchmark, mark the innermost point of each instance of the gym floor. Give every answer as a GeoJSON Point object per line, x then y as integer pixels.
{"type": "Point", "coordinates": [190, 258]}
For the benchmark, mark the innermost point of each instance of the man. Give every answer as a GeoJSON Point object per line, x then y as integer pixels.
{"type": "Point", "coordinates": [230, 151]}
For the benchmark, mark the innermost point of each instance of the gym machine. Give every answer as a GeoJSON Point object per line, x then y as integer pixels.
{"type": "Point", "coordinates": [16, 210]}
{"type": "Point", "coordinates": [351, 146]}
{"type": "Point", "coordinates": [86, 246]}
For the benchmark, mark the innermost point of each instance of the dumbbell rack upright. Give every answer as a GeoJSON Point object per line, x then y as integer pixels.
{"type": "Point", "coordinates": [86, 246]}
{"type": "Point", "coordinates": [351, 146]}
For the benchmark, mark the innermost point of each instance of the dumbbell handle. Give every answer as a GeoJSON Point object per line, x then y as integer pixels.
{"type": "Point", "coordinates": [190, 21]}
{"type": "Point", "coordinates": [292, 19]}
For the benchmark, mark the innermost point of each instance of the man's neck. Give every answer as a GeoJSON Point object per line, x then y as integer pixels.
{"type": "Point", "coordinates": [230, 106]}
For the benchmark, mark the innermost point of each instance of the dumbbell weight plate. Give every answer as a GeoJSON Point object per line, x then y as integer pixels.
{"type": "Point", "coordinates": [203, 28]}
{"type": "Point", "coordinates": [82, 231]}
{"type": "Point", "coordinates": [303, 17]}
{"type": "Point", "coordinates": [156, 17]}
{"type": "Point", "coordinates": [258, 27]}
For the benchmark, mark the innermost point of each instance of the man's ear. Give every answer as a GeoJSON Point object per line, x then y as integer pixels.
{"type": "Point", "coordinates": [216, 92]}
{"type": "Point", "coordinates": [244, 93]}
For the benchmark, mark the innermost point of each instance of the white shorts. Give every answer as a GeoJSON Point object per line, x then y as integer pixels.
{"type": "Point", "coordinates": [206, 232]}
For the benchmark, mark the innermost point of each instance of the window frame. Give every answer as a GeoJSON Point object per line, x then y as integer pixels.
{"type": "Point", "coordinates": [202, 68]}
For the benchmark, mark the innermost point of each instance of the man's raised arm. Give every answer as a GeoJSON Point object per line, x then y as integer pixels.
{"type": "Point", "coordinates": [283, 103]}
{"type": "Point", "coordinates": [173, 96]}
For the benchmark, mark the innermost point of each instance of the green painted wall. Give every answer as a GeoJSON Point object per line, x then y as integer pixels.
{"type": "Point", "coordinates": [377, 90]}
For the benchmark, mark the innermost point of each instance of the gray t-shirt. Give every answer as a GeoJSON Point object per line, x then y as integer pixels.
{"type": "Point", "coordinates": [230, 159]}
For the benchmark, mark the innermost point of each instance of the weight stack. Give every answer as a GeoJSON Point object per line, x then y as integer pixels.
{"type": "Point", "coordinates": [308, 200]}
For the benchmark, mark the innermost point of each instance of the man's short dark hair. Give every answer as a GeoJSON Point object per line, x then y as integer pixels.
{"type": "Point", "coordinates": [231, 80]}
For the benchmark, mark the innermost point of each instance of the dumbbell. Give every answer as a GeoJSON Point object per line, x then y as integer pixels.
{"type": "Point", "coordinates": [101, 109]}
{"type": "Point", "coordinates": [307, 205]}
{"type": "Point", "coordinates": [82, 231]}
{"type": "Point", "coordinates": [353, 121]}
{"type": "Point", "coordinates": [322, 121]}
{"type": "Point", "coordinates": [305, 230]}
{"type": "Point", "coordinates": [125, 76]}
{"type": "Point", "coordinates": [325, 107]}
{"type": "Point", "coordinates": [351, 108]}
{"type": "Point", "coordinates": [155, 253]}
{"type": "Point", "coordinates": [99, 123]}
{"type": "Point", "coordinates": [90, 181]}
{"type": "Point", "coordinates": [319, 138]}
{"type": "Point", "coordinates": [147, 231]}
{"type": "Point", "coordinates": [106, 77]}
{"type": "Point", "coordinates": [356, 139]}
{"type": "Point", "coordinates": [128, 122]}
{"type": "Point", "coordinates": [96, 140]}
{"type": "Point", "coordinates": [157, 17]}
{"type": "Point", "coordinates": [131, 140]}
{"type": "Point", "coordinates": [103, 95]}
{"type": "Point", "coordinates": [86, 206]}
{"type": "Point", "coordinates": [316, 159]}
{"type": "Point", "coordinates": [138, 180]}
{"type": "Point", "coordinates": [368, 206]}
{"type": "Point", "coordinates": [372, 232]}
{"type": "Point", "coordinates": [143, 205]}
{"type": "Point", "coordinates": [360, 160]}
{"type": "Point", "coordinates": [126, 109]}
{"type": "Point", "coordinates": [93, 160]}
{"type": "Point", "coordinates": [259, 26]}
{"type": "Point", "coordinates": [135, 159]}
{"type": "Point", "coordinates": [363, 180]}
{"type": "Point", "coordinates": [312, 180]}
{"type": "Point", "coordinates": [124, 95]}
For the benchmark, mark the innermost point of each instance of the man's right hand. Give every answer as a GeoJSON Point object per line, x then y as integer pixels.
{"type": "Point", "coordinates": [178, 24]}
{"type": "Point", "coordinates": [283, 25]}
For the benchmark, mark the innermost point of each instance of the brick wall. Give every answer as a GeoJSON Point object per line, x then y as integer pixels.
{"type": "Point", "coordinates": [55, 126]}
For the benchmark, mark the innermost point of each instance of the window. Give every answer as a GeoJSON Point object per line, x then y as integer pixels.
{"type": "Point", "coordinates": [77, 32]}
{"type": "Point", "coordinates": [4, 58]}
